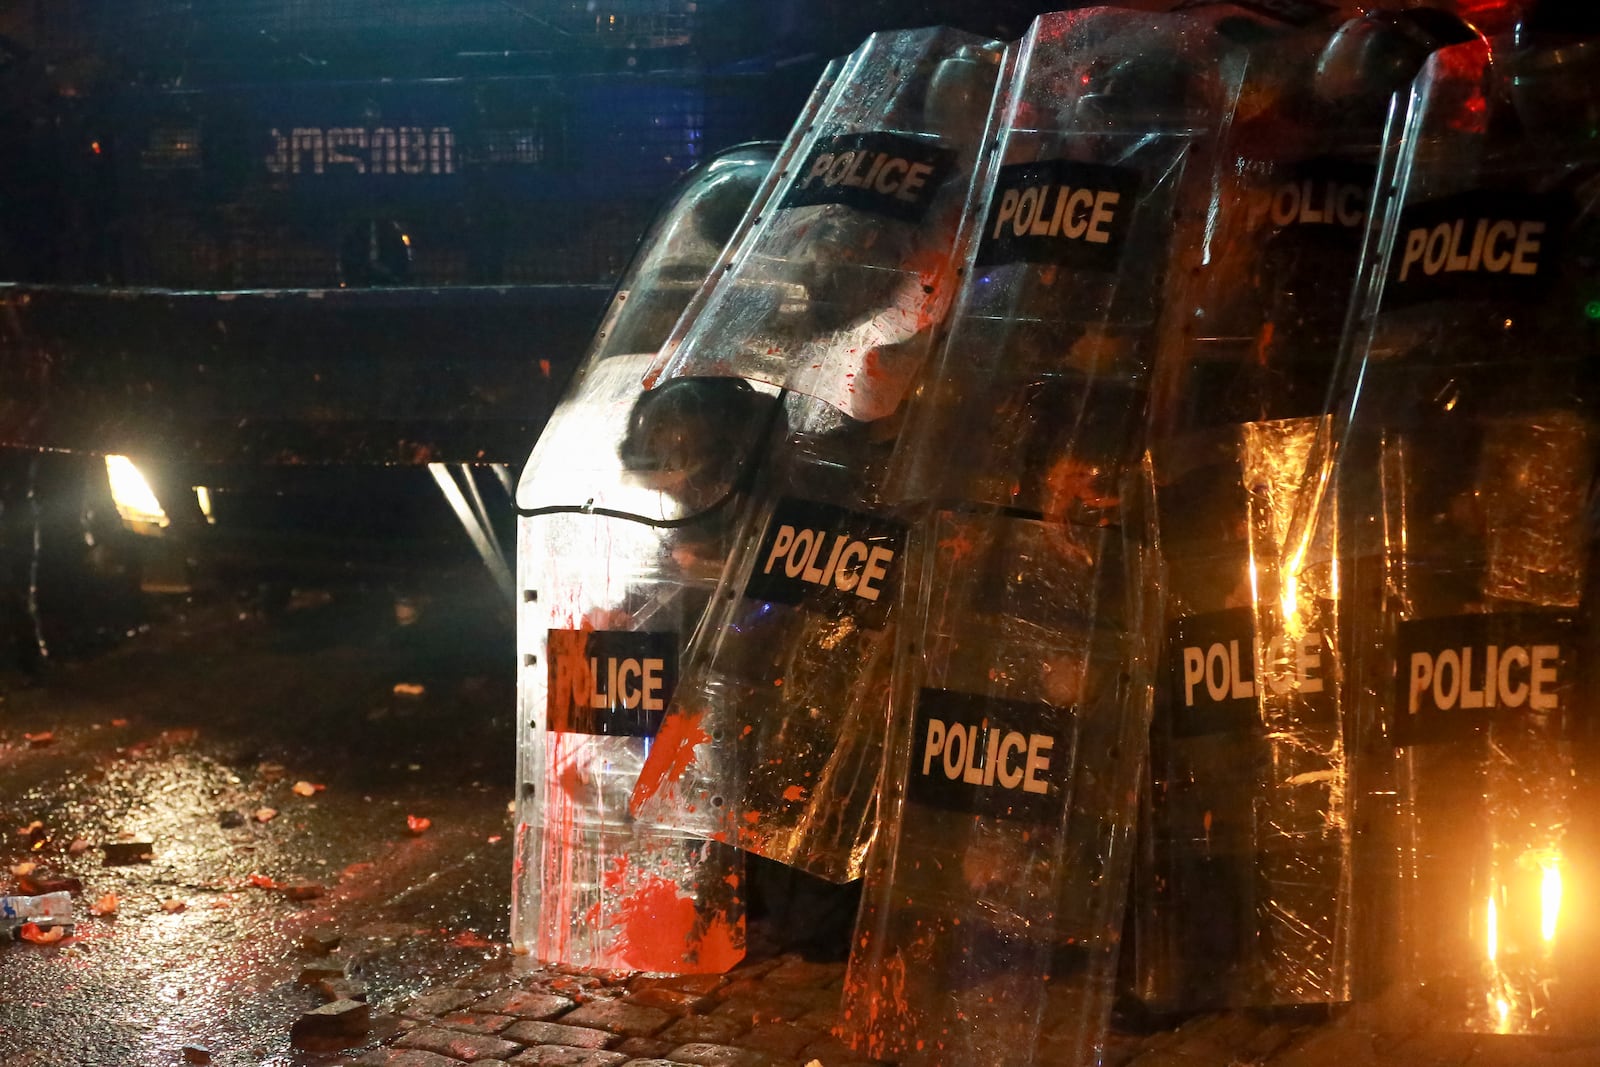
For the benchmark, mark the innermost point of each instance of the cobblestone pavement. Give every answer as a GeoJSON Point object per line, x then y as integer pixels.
{"type": "Point", "coordinates": [779, 1012]}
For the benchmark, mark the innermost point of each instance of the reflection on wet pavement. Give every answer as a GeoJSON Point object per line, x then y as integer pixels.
{"type": "Point", "coordinates": [190, 737]}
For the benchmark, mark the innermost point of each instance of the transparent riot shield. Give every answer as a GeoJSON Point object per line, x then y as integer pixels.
{"type": "Point", "coordinates": [992, 915]}
{"type": "Point", "coordinates": [1242, 892]}
{"type": "Point", "coordinates": [835, 289]}
{"type": "Point", "coordinates": [780, 712]}
{"type": "Point", "coordinates": [1464, 490]}
{"type": "Point", "coordinates": [624, 512]}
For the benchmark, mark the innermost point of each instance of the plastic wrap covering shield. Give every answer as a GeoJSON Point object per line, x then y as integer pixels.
{"type": "Point", "coordinates": [1464, 490]}
{"type": "Point", "coordinates": [992, 915]}
{"type": "Point", "coordinates": [625, 506]}
{"type": "Point", "coordinates": [833, 291]}
{"type": "Point", "coordinates": [1243, 886]}
{"type": "Point", "coordinates": [785, 692]}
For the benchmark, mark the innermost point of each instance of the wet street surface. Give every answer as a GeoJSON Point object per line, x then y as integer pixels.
{"type": "Point", "coordinates": [281, 814]}
{"type": "Point", "coordinates": [323, 792]}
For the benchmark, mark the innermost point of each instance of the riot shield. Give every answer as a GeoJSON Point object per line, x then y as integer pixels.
{"type": "Point", "coordinates": [991, 919]}
{"type": "Point", "coordinates": [624, 511]}
{"type": "Point", "coordinates": [1463, 488]}
{"type": "Point", "coordinates": [1242, 891]}
{"type": "Point", "coordinates": [835, 289]}
{"type": "Point", "coordinates": [779, 718]}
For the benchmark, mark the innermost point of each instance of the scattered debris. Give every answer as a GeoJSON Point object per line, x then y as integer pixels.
{"type": "Point", "coordinates": [313, 975]}
{"type": "Point", "coordinates": [40, 740]}
{"type": "Point", "coordinates": [405, 612]}
{"type": "Point", "coordinates": [409, 689]}
{"type": "Point", "coordinates": [470, 939]}
{"type": "Point", "coordinates": [308, 789]}
{"type": "Point", "coordinates": [417, 825]}
{"type": "Point", "coordinates": [196, 1054]}
{"type": "Point", "coordinates": [47, 909]}
{"type": "Point", "coordinates": [338, 1025]}
{"type": "Point", "coordinates": [271, 772]}
{"type": "Point", "coordinates": [40, 882]}
{"type": "Point", "coordinates": [343, 989]}
{"type": "Point", "coordinates": [494, 839]}
{"type": "Point", "coordinates": [41, 935]}
{"type": "Point", "coordinates": [291, 890]}
{"type": "Point", "coordinates": [33, 829]}
{"type": "Point", "coordinates": [122, 853]}
{"type": "Point", "coordinates": [266, 814]}
{"type": "Point", "coordinates": [106, 906]}
{"type": "Point", "coordinates": [79, 846]}
{"type": "Point", "coordinates": [119, 723]}
{"type": "Point", "coordinates": [180, 736]}
{"type": "Point", "coordinates": [231, 819]}
{"type": "Point", "coordinates": [24, 868]}
{"type": "Point", "coordinates": [321, 940]}
{"type": "Point", "coordinates": [172, 907]}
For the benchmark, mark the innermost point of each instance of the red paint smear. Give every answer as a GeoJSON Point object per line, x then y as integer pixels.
{"type": "Point", "coordinates": [795, 792]}
{"type": "Point", "coordinates": [721, 948]}
{"type": "Point", "coordinates": [959, 547]}
{"type": "Point", "coordinates": [517, 864]}
{"type": "Point", "coordinates": [616, 873]}
{"type": "Point", "coordinates": [657, 927]}
{"type": "Point", "coordinates": [752, 817]}
{"type": "Point", "coordinates": [671, 755]}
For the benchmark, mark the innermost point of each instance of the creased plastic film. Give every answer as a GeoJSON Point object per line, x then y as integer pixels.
{"type": "Point", "coordinates": [1464, 492]}
{"type": "Point", "coordinates": [992, 916]}
{"type": "Point", "coordinates": [608, 600]}
{"type": "Point", "coordinates": [1243, 892]}
{"type": "Point", "coordinates": [780, 716]}
{"type": "Point", "coordinates": [835, 289]}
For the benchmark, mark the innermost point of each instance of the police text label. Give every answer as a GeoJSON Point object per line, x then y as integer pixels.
{"type": "Point", "coordinates": [611, 682]}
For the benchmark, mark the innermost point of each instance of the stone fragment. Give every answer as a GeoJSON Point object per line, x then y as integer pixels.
{"type": "Point", "coordinates": [310, 976]}
{"type": "Point", "coordinates": [332, 1026]}
{"type": "Point", "coordinates": [39, 881]}
{"type": "Point", "coordinates": [122, 853]}
{"type": "Point", "coordinates": [321, 940]}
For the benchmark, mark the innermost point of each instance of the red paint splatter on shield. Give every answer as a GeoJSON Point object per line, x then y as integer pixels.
{"type": "Point", "coordinates": [671, 755]}
{"type": "Point", "coordinates": [721, 947]}
{"type": "Point", "coordinates": [657, 925]}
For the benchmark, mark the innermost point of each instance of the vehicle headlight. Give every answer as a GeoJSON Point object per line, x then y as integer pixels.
{"type": "Point", "coordinates": [135, 501]}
